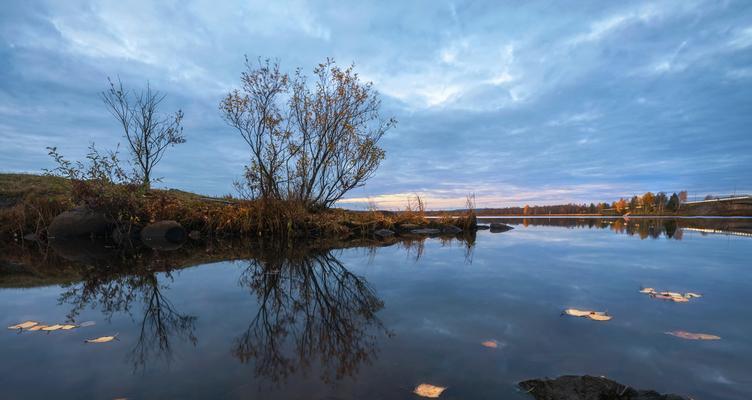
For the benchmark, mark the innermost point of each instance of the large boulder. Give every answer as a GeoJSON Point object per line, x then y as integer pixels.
{"type": "Point", "coordinates": [79, 222]}
{"type": "Point", "coordinates": [383, 233]}
{"type": "Point", "coordinates": [498, 227]}
{"type": "Point", "coordinates": [573, 387]}
{"type": "Point", "coordinates": [163, 235]}
{"type": "Point", "coordinates": [451, 229]}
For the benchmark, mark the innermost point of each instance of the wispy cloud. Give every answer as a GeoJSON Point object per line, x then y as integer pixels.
{"type": "Point", "coordinates": [513, 102]}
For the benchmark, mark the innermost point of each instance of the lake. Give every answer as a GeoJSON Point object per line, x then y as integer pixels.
{"type": "Point", "coordinates": [280, 321]}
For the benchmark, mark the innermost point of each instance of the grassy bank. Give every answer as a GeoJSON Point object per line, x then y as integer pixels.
{"type": "Point", "coordinates": [29, 202]}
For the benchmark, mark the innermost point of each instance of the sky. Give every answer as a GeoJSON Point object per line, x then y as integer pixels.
{"type": "Point", "coordinates": [517, 102]}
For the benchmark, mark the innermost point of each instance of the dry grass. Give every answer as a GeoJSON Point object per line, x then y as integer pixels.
{"type": "Point", "coordinates": [37, 199]}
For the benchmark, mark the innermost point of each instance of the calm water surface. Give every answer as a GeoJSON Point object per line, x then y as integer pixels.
{"type": "Point", "coordinates": [375, 322]}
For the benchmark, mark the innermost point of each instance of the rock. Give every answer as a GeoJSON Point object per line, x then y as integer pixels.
{"type": "Point", "coordinates": [426, 231]}
{"type": "Point", "coordinates": [163, 235]}
{"type": "Point", "coordinates": [195, 235]}
{"type": "Point", "coordinates": [482, 227]}
{"type": "Point", "coordinates": [499, 227]}
{"type": "Point", "coordinates": [572, 387]}
{"type": "Point", "coordinates": [383, 233]}
{"type": "Point", "coordinates": [407, 227]}
{"type": "Point", "coordinates": [451, 229]}
{"type": "Point", "coordinates": [79, 222]}
{"type": "Point", "coordinates": [31, 237]}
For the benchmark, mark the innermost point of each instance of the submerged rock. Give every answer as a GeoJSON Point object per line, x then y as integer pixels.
{"type": "Point", "coordinates": [383, 233]}
{"type": "Point", "coordinates": [426, 231]}
{"type": "Point", "coordinates": [573, 387]}
{"type": "Point", "coordinates": [482, 227]}
{"type": "Point", "coordinates": [451, 229]}
{"type": "Point", "coordinates": [79, 222]}
{"type": "Point", "coordinates": [163, 235]}
{"type": "Point", "coordinates": [407, 227]}
{"type": "Point", "coordinates": [499, 227]}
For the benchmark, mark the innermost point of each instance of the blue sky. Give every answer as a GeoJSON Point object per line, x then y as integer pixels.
{"type": "Point", "coordinates": [519, 102]}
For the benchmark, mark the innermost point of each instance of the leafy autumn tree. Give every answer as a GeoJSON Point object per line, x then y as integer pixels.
{"type": "Point", "coordinates": [526, 210]}
{"type": "Point", "coordinates": [309, 142]}
{"type": "Point", "coordinates": [148, 132]}
{"type": "Point", "coordinates": [620, 206]}
{"type": "Point", "coordinates": [673, 203]}
{"type": "Point", "coordinates": [647, 201]}
{"type": "Point", "coordinates": [634, 203]}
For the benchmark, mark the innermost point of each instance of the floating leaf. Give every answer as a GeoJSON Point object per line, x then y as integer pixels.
{"type": "Point", "coordinates": [68, 327]}
{"type": "Point", "coordinates": [594, 315]}
{"type": "Point", "coordinates": [52, 327]}
{"type": "Point", "coordinates": [599, 316]}
{"type": "Point", "coordinates": [576, 313]}
{"type": "Point", "coordinates": [490, 344]}
{"type": "Point", "coordinates": [36, 328]}
{"type": "Point", "coordinates": [679, 299]}
{"type": "Point", "coordinates": [673, 296]}
{"type": "Point", "coordinates": [693, 336]}
{"type": "Point", "coordinates": [24, 325]}
{"type": "Point", "coordinates": [103, 339]}
{"type": "Point", "coordinates": [427, 390]}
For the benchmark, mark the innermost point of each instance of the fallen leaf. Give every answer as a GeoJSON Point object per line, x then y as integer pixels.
{"type": "Point", "coordinates": [693, 336]}
{"type": "Point", "coordinates": [490, 344]}
{"type": "Point", "coordinates": [599, 316]}
{"type": "Point", "coordinates": [68, 327]}
{"type": "Point", "coordinates": [36, 328]}
{"type": "Point", "coordinates": [594, 315]}
{"type": "Point", "coordinates": [52, 327]}
{"type": "Point", "coordinates": [576, 313]}
{"type": "Point", "coordinates": [103, 339]}
{"type": "Point", "coordinates": [427, 390]}
{"type": "Point", "coordinates": [24, 325]}
{"type": "Point", "coordinates": [673, 296]}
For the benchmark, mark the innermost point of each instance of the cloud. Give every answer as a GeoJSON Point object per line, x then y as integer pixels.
{"type": "Point", "coordinates": [517, 103]}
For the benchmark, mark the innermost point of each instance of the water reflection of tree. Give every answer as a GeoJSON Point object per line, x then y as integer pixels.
{"type": "Point", "coordinates": [312, 309]}
{"type": "Point", "coordinates": [643, 228]}
{"type": "Point", "coordinates": [160, 322]}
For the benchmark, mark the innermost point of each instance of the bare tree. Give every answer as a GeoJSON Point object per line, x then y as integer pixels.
{"type": "Point", "coordinates": [148, 132]}
{"type": "Point", "coordinates": [309, 142]}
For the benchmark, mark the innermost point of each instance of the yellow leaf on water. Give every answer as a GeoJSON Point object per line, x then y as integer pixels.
{"type": "Point", "coordinates": [671, 298]}
{"type": "Point", "coordinates": [52, 327]}
{"type": "Point", "coordinates": [36, 328]}
{"type": "Point", "coordinates": [647, 290]}
{"type": "Point", "coordinates": [103, 339]}
{"type": "Point", "coordinates": [427, 390]}
{"type": "Point", "coordinates": [490, 344]}
{"type": "Point", "coordinates": [594, 315]}
{"type": "Point", "coordinates": [691, 295]}
{"type": "Point", "coordinates": [599, 316]}
{"type": "Point", "coordinates": [24, 325]}
{"type": "Point", "coordinates": [68, 327]}
{"type": "Point", "coordinates": [693, 336]}
{"type": "Point", "coordinates": [576, 313]}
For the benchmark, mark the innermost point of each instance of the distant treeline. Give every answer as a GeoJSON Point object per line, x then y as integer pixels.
{"type": "Point", "coordinates": [648, 203]}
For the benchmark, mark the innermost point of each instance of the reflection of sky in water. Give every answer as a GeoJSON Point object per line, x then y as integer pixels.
{"type": "Point", "coordinates": [438, 308]}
